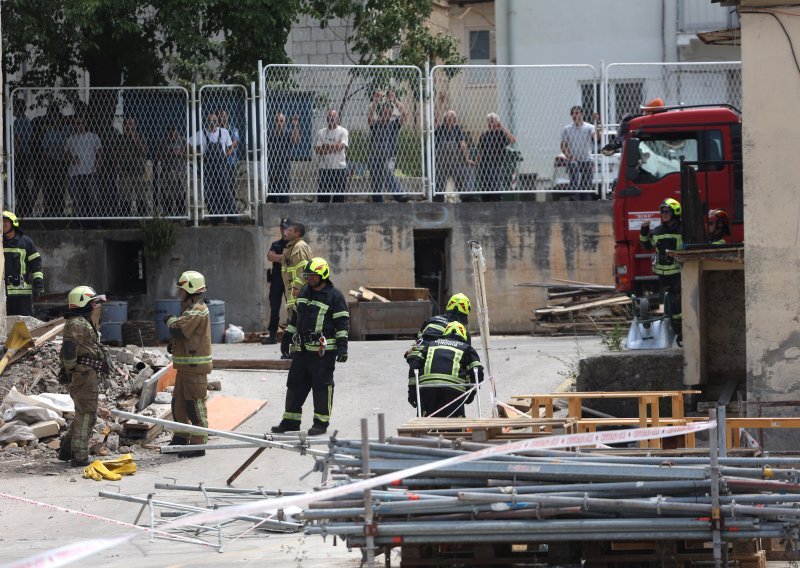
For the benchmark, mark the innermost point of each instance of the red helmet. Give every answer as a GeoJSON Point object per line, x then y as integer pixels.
{"type": "Point", "coordinates": [718, 215]}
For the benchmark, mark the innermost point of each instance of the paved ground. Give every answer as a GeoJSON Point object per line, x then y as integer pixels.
{"type": "Point", "coordinates": [373, 381]}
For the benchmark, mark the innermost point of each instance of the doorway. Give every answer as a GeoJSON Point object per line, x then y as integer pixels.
{"type": "Point", "coordinates": [432, 265]}
{"type": "Point", "coordinates": [125, 268]}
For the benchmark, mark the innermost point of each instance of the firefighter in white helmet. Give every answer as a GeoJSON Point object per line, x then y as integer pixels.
{"type": "Point", "coordinates": [190, 334]}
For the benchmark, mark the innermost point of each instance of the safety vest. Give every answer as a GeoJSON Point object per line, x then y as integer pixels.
{"type": "Point", "coordinates": [191, 338]}
{"type": "Point", "coordinates": [295, 257]}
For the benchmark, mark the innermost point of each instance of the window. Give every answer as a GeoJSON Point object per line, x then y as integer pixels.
{"type": "Point", "coordinates": [660, 156]}
{"type": "Point", "coordinates": [480, 47]}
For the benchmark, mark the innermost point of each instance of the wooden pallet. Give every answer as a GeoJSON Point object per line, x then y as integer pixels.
{"type": "Point", "coordinates": [468, 554]}
{"type": "Point", "coordinates": [683, 554]}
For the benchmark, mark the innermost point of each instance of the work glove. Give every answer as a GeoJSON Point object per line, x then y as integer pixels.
{"type": "Point", "coordinates": [169, 348]}
{"type": "Point", "coordinates": [64, 376]}
{"type": "Point", "coordinates": [341, 357]}
{"type": "Point", "coordinates": [285, 343]}
{"type": "Point", "coordinates": [38, 289]}
{"type": "Point", "coordinates": [470, 397]}
{"type": "Point", "coordinates": [412, 396]}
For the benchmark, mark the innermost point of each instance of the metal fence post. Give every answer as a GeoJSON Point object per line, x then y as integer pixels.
{"type": "Point", "coordinates": [194, 111]}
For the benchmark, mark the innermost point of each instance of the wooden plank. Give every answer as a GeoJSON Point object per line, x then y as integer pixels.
{"type": "Point", "coordinates": [270, 364]}
{"type": "Point", "coordinates": [356, 294]}
{"type": "Point", "coordinates": [137, 430]}
{"type": "Point", "coordinates": [371, 296]}
{"type": "Point", "coordinates": [227, 413]}
{"type": "Point", "coordinates": [621, 300]}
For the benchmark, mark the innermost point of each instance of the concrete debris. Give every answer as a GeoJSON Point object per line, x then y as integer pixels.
{"type": "Point", "coordinates": [36, 431]}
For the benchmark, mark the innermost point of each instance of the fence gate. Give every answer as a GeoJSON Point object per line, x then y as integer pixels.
{"type": "Point", "coordinates": [337, 130]}
{"type": "Point", "coordinates": [98, 153]}
{"type": "Point", "coordinates": [510, 121]}
{"type": "Point", "coordinates": [220, 143]}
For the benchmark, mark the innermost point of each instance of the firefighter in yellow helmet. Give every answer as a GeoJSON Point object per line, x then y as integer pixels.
{"type": "Point", "coordinates": [23, 268]}
{"type": "Point", "coordinates": [190, 334]}
{"type": "Point", "coordinates": [317, 333]}
{"type": "Point", "coordinates": [666, 237]}
{"type": "Point", "coordinates": [447, 368]}
{"type": "Point", "coordinates": [457, 309]}
{"type": "Point", "coordinates": [82, 358]}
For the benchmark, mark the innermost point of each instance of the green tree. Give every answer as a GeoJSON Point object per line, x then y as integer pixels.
{"type": "Point", "coordinates": [380, 26]}
{"type": "Point", "coordinates": [139, 42]}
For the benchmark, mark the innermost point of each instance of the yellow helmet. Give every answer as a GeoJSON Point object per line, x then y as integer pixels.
{"type": "Point", "coordinates": [81, 296]}
{"type": "Point", "coordinates": [193, 282]}
{"type": "Point", "coordinates": [459, 302]}
{"type": "Point", "coordinates": [11, 217]}
{"type": "Point", "coordinates": [672, 204]}
{"type": "Point", "coordinates": [317, 266]}
{"type": "Point", "coordinates": [457, 328]}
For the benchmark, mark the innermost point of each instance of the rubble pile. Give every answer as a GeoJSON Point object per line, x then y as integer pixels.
{"type": "Point", "coordinates": [35, 433]}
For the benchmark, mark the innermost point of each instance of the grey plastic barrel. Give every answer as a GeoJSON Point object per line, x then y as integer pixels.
{"type": "Point", "coordinates": [164, 308]}
{"type": "Point", "coordinates": [216, 310]}
{"type": "Point", "coordinates": [111, 332]}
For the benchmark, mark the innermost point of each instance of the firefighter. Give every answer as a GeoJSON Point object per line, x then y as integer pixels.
{"type": "Point", "coordinates": [458, 308]}
{"type": "Point", "coordinates": [24, 276]}
{"type": "Point", "coordinates": [667, 236]}
{"type": "Point", "coordinates": [718, 227]}
{"type": "Point", "coordinates": [190, 335]}
{"type": "Point", "coordinates": [82, 357]}
{"type": "Point", "coordinates": [296, 253]}
{"type": "Point", "coordinates": [317, 334]}
{"type": "Point", "coordinates": [446, 368]}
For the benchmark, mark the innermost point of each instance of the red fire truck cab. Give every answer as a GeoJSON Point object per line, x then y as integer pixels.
{"type": "Point", "coordinates": [710, 137]}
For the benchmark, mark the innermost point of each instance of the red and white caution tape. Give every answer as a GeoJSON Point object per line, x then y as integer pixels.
{"type": "Point", "coordinates": [71, 553]}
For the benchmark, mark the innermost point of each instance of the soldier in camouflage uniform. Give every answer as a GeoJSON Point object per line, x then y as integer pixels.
{"type": "Point", "coordinates": [82, 357]}
{"type": "Point", "coordinates": [191, 356]}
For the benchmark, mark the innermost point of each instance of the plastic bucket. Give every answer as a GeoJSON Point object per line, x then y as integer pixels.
{"type": "Point", "coordinates": [113, 312]}
{"type": "Point", "coordinates": [111, 331]}
{"type": "Point", "coordinates": [216, 310]}
{"type": "Point", "coordinates": [165, 308]}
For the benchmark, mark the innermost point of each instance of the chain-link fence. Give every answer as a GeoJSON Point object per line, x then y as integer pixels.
{"type": "Point", "coordinates": [98, 153]}
{"type": "Point", "coordinates": [220, 144]}
{"type": "Point", "coordinates": [509, 129]}
{"type": "Point", "coordinates": [337, 130]}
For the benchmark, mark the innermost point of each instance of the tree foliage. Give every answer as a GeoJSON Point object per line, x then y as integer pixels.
{"type": "Point", "coordinates": [381, 26]}
{"type": "Point", "coordinates": [140, 42]}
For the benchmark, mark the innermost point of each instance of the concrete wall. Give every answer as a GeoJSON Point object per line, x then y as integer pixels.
{"type": "Point", "coordinates": [366, 244]}
{"type": "Point", "coordinates": [772, 264]}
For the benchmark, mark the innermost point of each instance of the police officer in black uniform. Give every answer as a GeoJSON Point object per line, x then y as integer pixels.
{"type": "Point", "coordinates": [317, 334]}
{"type": "Point", "coordinates": [276, 288]}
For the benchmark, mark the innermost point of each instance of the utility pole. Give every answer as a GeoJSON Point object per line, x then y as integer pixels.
{"type": "Point", "coordinates": [3, 185]}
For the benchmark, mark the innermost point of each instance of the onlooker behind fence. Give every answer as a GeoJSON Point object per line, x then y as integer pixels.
{"type": "Point", "coordinates": [279, 158]}
{"type": "Point", "coordinates": [577, 144]}
{"type": "Point", "coordinates": [491, 158]}
{"type": "Point", "coordinates": [235, 155]}
{"type": "Point", "coordinates": [215, 146]}
{"type": "Point", "coordinates": [134, 187]}
{"type": "Point", "coordinates": [55, 163]}
{"type": "Point", "coordinates": [452, 155]}
{"type": "Point", "coordinates": [330, 146]}
{"type": "Point", "coordinates": [386, 116]}
{"type": "Point", "coordinates": [24, 194]}
{"type": "Point", "coordinates": [172, 174]}
{"type": "Point", "coordinates": [83, 150]}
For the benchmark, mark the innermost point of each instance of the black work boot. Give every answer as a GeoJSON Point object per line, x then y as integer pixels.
{"type": "Point", "coordinates": [178, 440]}
{"type": "Point", "coordinates": [286, 426]}
{"type": "Point", "coordinates": [80, 462]}
{"type": "Point", "coordinates": [65, 451]}
{"type": "Point", "coordinates": [318, 429]}
{"type": "Point", "coordinates": [192, 454]}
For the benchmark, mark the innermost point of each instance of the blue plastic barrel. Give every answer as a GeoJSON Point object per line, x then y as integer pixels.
{"type": "Point", "coordinates": [164, 308]}
{"type": "Point", "coordinates": [216, 310]}
{"type": "Point", "coordinates": [114, 312]}
{"type": "Point", "coordinates": [111, 332]}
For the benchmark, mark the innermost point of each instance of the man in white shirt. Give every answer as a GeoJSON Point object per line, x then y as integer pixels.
{"type": "Point", "coordinates": [577, 144]}
{"type": "Point", "coordinates": [83, 152]}
{"type": "Point", "coordinates": [330, 146]}
{"type": "Point", "coordinates": [216, 147]}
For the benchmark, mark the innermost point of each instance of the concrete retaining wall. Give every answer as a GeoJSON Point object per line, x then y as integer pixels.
{"type": "Point", "coordinates": [365, 244]}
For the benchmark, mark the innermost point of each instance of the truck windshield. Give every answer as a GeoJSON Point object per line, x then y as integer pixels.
{"type": "Point", "coordinates": [661, 156]}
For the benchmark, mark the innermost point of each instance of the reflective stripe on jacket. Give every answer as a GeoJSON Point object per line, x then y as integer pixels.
{"type": "Point", "coordinates": [444, 363]}
{"type": "Point", "coordinates": [322, 313]}
{"type": "Point", "coordinates": [191, 337]}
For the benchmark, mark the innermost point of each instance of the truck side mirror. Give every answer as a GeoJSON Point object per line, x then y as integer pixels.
{"type": "Point", "coordinates": [632, 158]}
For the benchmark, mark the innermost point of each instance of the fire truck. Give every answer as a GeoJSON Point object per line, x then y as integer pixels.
{"type": "Point", "coordinates": [706, 138]}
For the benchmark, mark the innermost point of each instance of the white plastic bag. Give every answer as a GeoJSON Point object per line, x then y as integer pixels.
{"type": "Point", "coordinates": [234, 334]}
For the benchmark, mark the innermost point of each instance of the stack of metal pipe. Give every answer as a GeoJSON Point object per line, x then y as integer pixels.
{"type": "Point", "coordinates": [554, 496]}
